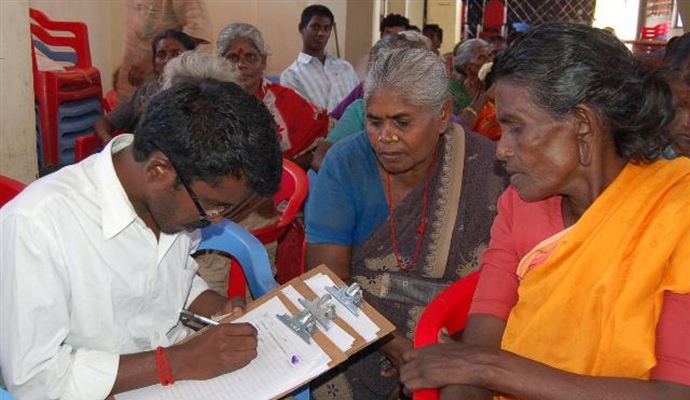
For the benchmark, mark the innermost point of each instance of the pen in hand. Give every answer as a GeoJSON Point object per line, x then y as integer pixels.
{"type": "Point", "coordinates": [190, 316]}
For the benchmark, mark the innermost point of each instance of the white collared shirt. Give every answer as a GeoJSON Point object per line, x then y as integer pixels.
{"type": "Point", "coordinates": [83, 280]}
{"type": "Point", "coordinates": [324, 85]}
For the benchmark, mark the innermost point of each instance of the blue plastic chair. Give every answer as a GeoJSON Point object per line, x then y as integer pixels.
{"type": "Point", "coordinates": [238, 242]}
{"type": "Point", "coordinates": [5, 395]}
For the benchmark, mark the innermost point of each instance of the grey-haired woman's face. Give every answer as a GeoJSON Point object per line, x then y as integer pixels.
{"type": "Point", "coordinates": [250, 63]}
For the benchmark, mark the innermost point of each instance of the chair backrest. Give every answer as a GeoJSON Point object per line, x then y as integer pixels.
{"type": "Point", "coordinates": [449, 309]}
{"type": "Point", "coordinates": [5, 395]}
{"type": "Point", "coordinates": [8, 189]}
{"type": "Point", "coordinates": [84, 146]}
{"type": "Point", "coordinates": [289, 199]}
{"type": "Point", "coordinates": [73, 47]}
{"type": "Point", "coordinates": [494, 15]}
{"type": "Point", "coordinates": [659, 31]}
{"type": "Point", "coordinates": [238, 242]}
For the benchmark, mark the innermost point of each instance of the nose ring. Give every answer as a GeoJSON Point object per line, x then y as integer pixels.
{"type": "Point", "coordinates": [393, 138]}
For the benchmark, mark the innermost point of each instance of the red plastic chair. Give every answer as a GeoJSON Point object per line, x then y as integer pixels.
{"type": "Point", "coordinates": [657, 32]}
{"type": "Point", "coordinates": [493, 19]}
{"type": "Point", "coordinates": [8, 189]}
{"type": "Point", "coordinates": [84, 146]}
{"type": "Point", "coordinates": [288, 231]}
{"type": "Point", "coordinates": [79, 81]}
{"type": "Point", "coordinates": [449, 309]}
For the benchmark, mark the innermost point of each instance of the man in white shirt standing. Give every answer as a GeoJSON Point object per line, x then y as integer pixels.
{"type": "Point", "coordinates": [318, 76]}
{"type": "Point", "coordinates": [95, 259]}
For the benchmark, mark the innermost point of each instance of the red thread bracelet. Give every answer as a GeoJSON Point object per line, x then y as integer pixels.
{"type": "Point", "coordinates": [164, 375]}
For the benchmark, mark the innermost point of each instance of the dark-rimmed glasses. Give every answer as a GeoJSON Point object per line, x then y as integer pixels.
{"type": "Point", "coordinates": [205, 216]}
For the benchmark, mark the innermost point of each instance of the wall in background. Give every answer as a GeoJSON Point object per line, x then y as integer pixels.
{"type": "Point", "coordinates": [447, 15]}
{"type": "Point", "coordinates": [17, 127]}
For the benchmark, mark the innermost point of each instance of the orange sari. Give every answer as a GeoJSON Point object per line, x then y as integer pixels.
{"type": "Point", "coordinates": [592, 301]}
{"type": "Point", "coordinates": [486, 122]}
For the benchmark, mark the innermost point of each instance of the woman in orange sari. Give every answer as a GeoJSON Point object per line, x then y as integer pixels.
{"type": "Point", "coordinates": [599, 309]}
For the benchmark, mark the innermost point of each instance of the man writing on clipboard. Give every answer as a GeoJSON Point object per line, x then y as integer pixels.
{"type": "Point", "coordinates": [95, 258]}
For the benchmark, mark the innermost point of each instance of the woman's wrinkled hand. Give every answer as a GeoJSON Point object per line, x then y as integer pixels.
{"type": "Point", "coordinates": [441, 364]}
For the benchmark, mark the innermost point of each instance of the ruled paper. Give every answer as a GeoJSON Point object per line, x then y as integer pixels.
{"type": "Point", "coordinates": [283, 363]}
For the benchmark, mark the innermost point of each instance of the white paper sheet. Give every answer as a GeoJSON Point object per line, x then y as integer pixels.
{"type": "Point", "coordinates": [267, 376]}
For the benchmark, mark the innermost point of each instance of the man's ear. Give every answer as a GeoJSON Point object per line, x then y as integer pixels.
{"type": "Point", "coordinates": [300, 28]}
{"type": "Point", "coordinates": [588, 131]}
{"type": "Point", "coordinates": [159, 170]}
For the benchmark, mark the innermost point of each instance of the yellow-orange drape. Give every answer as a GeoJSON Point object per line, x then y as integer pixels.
{"type": "Point", "coordinates": [593, 305]}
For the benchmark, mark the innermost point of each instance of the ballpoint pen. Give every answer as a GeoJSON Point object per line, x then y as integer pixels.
{"type": "Point", "coordinates": [186, 314]}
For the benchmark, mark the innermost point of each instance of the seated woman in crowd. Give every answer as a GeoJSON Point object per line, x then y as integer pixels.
{"type": "Point", "coordinates": [166, 46]}
{"type": "Point", "coordinates": [676, 67]}
{"type": "Point", "coordinates": [352, 118]}
{"type": "Point", "coordinates": [469, 58]}
{"type": "Point", "coordinates": [403, 208]}
{"type": "Point", "coordinates": [301, 125]}
{"type": "Point", "coordinates": [473, 94]}
{"type": "Point", "coordinates": [584, 291]}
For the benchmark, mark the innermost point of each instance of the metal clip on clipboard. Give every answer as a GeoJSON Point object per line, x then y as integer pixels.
{"type": "Point", "coordinates": [303, 323]}
{"type": "Point", "coordinates": [350, 297]}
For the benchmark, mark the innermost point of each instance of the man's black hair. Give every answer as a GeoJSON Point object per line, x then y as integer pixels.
{"type": "Point", "coordinates": [394, 20]}
{"type": "Point", "coordinates": [210, 130]}
{"type": "Point", "coordinates": [435, 29]}
{"type": "Point", "coordinates": [315, 10]}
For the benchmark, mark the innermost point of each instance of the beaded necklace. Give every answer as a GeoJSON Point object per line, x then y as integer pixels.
{"type": "Point", "coordinates": [422, 224]}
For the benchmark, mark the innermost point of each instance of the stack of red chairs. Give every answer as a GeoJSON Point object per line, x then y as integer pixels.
{"type": "Point", "coordinates": [68, 101]}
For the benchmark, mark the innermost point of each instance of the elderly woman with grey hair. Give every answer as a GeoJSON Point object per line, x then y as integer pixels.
{"type": "Point", "coordinates": [472, 92]}
{"type": "Point", "coordinates": [351, 119]}
{"type": "Point", "coordinates": [301, 125]}
{"type": "Point", "coordinates": [198, 65]}
{"type": "Point", "coordinates": [404, 208]}
{"type": "Point", "coordinates": [469, 58]}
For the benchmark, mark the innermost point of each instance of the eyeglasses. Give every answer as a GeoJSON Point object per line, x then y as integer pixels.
{"type": "Point", "coordinates": [205, 216]}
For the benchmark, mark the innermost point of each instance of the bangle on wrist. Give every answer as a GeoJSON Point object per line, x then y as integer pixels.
{"type": "Point", "coordinates": [164, 374]}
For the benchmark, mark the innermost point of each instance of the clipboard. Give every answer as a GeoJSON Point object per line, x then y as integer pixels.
{"type": "Point", "coordinates": [308, 286]}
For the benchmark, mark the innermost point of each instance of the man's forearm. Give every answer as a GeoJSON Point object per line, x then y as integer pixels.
{"type": "Point", "coordinates": [136, 371]}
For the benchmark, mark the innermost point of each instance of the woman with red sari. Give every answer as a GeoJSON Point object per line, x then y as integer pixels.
{"type": "Point", "coordinates": [600, 307]}
{"type": "Point", "coordinates": [301, 125]}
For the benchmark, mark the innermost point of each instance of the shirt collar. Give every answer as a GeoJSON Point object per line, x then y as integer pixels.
{"type": "Point", "coordinates": [305, 58]}
{"type": "Point", "coordinates": [118, 211]}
